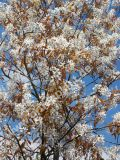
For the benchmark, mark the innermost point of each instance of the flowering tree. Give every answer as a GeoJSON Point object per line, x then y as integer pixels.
{"type": "Point", "coordinates": [47, 49]}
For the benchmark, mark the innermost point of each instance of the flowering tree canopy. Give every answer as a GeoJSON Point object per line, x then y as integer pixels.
{"type": "Point", "coordinates": [47, 50]}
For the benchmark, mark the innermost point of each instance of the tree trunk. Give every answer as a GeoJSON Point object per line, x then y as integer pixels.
{"type": "Point", "coordinates": [56, 153]}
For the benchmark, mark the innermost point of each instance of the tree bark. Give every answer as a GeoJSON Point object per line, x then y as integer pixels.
{"type": "Point", "coordinates": [56, 153]}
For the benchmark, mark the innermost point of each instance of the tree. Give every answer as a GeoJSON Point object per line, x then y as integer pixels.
{"type": "Point", "coordinates": [48, 49]}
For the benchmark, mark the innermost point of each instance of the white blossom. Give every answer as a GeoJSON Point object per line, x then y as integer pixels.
{"type": "Point", "coordinates": [57, 42]}
{"type": "Point", "coordinates": [116, 117]}
{"type": "Point", "coordinates": [102, 89]}
{"type": "Point", "coordinates": [28, 41]}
